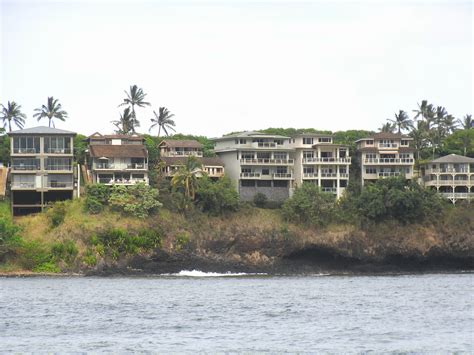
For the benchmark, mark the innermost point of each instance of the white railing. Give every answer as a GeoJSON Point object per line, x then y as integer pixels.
{"type": "Point", "coordinates": [264, 145]}
{"type": "Point", "coordinates": [389, 160]}
{"type": "Point", "coordinates": [448, 170]}
{"type": "Point", "coordinates": [457, 194]}
{"type": "Point", "coordinates": [327, 160]}
{"type": "Point", "coordinates": [108, 181]}
{"type": "Point", "coordinates": [388, 145]}
{"type": "Point", "coordinates": [329, 189]}
{"type": "Point", "coordinates": [58, 150]}
{"type": "Point", "coordinates": [328, 174]}
{"type": "Point", "coordinates": [23, 185]}
{"type": "Point", "coordinates": [283, 176]}
{"type": "Point", "coordinates": [111, 166]}
{"type": "Point", "coordinates": [448, 182]}
{"type": "Point", "coordinates": [344, 175]}
{"type": "Point", "coordinates": [60, 184]}
{"type": "Point", "coordinates": [25, 150]}
{"type": "Point", "coordinates": [137, 166]}
{"type": "Point", "coordinates": [59, 167]}
{"type": "Point", "coordinates": [180, 153]}
{"type": "Point", "coordinates": [267, 161]}
{"type": "Point", "coordinates": [310, 175]}
{"type": "Point", "coordinates": [250, 175]}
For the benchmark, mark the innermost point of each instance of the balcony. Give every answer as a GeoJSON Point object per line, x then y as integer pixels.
{"type": "Point", "coordinates": [328, 175]}
{"type": "Point", "coordinates": [267, 161]}
{"type": "Point", "coordinates": [389, 161]}
{"type": "Point", "coordinates": [332, 190]}
{"type": "Point", "coordinates": [389, 173]}
{"type": "Point", "coordinates": [458, 195]}
{"type": "Point", "coordinates": [58, 151]}
{"type": "Point", "coordinates": [26, 167]}
{"type": "Point", "coordinates": [387, 145]}
{"type": "Point", "coordinates": [180, 153]}
{"type": "Point", "coordinates": [264, 145]}
{"type": "Point", "coordinates": [137, 166]}
{"type": "Point", "coordinates": [60, 184]}
{"type": "Point", "coordinates": [448, 171]}
{"type": "Point", "coordinates": [59, 168]}
{"type": "Point", "coordinates": [109, 181]}
{"type": "Point", "coordinates": [344, 175]}
{"type": "Point", "coordinates": [326, 160]}
{"type": "Point", "coordinates": [442, 182]}
{"type": "Point", "coordinates": [310, 175]}
{"type": "Point", "coordinates": [283, 176]}
{"type": "Point", "coordinates": [250, 175]}
{"type": "Point", "coordinates": [16, 185]}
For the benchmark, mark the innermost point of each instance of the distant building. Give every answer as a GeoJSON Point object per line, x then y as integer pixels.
{"type": "Point", "coordinates": [452, 176]}
{"type": "Point", "coordinates": [41, 168]}
{"type": "Point", "coordinates": [274, 165]}
{"type": "Point", "coordinates": [173, 153]}
{"type": "Point", "coordinates": [385, 154]}
{"type": "Point", "coordinates": [117, 159]}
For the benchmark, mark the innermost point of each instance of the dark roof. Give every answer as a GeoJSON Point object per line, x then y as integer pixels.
{"type": "Point", "coordinates": [42, 130]}
{"type": "Point", "coordinates": [175, 143]}
{"type": "Point", "coordinates": [182, 160]}
{"type": "Point", "coordinates": [117, 151]}
{"type": "Point", "coordinates": [453, 158]}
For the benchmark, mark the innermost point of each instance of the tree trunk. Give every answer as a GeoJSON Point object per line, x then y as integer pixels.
{"type": "Point", "coordinates": [159, 130]}
{"type": "Point", "coordinates": [10, 125]}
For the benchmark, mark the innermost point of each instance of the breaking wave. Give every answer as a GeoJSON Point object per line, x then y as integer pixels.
{"type": "Point", "coordinates": [198, 273]}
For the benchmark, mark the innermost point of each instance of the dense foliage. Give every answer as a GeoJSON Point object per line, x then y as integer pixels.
{"type": "Point", "coordinates": [216, 197]}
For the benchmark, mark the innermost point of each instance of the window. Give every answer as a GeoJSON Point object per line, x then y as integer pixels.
{"type": "Point", "coordinates": [279, 141]}
{"type": "Point", "coordinates": [371, 171]}
{"type": "Point", "coordinates": [265, 171]}
{"type": "Point", "coordinates": [279, 155]}
{"type": "Point", "coordinates": [242, 141]}
{"type": "Point", "coordinates": [307, 140]}
{"type": "Point", "coordinates": [280, 183]}
{"type": "Point", "coordinates": [308, 170]}
{"type": "Point", "coordinates": [370, 155]}
{"type": "Point", "coordinates": [371, 142]}
{"type": "Point", "coordinates": [24, 145]}
{"type": "Point", "coordinates": [308, 154]}
{"type": "Point", "coordinates": [324, 140]}
{"type": "Point", "coordinates": [247, 183]}
{"type": "Point", "coordinates": [246, 155]}
{"type": "Point", "coordinates": [281, 170]}
{"type": "Point", "coordinates": [404, 142]}
{"type": "Point", "coordinates": [264, 183]}
{"type": "Point", "coordinates": [246, 170]}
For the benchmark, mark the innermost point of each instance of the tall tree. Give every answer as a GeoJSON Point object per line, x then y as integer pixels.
{"type": "Point", "coordinates": [402, 121]}
{"type": "Point", "coordinates": [186, 178]}
{"type": "Point", "coordinates": [425, 110]}
{"type": "Point", "coordinates": [163, 121]}
{"type": "Point", "coordinates": [387, 127]}
{"type": "Point", "coordinates": [127, 123]}
{"type": "Point", "coordinates": [466, 122]}
{"type": "Point", "coordinates": [419, 133]}
{"type": "Point", "coordinates": [51, 110]}
{"type": "Point", "coordinates": [12, 112]}
{"type": "Point", "coordinates": [135, 97]}
{"type": "Point", "coordinates": [450, 124]}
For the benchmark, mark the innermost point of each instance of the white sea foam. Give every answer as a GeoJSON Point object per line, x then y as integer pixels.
{"type": "Point", "coordinates": [198, 273]}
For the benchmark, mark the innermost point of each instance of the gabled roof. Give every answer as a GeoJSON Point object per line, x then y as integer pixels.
{"type": "Point", "coordinates": [43, 130]}
{"type": "Point", "coordinates": [176, 143]}
{"type": "Point", "coordinates": [249, 134]}
{"type": "Point", "coordinates": [385, 135]}
{"type": "Point", "coordinates": [134, 136]}
{"type": "Point", "coordinates": [118, 151]}
{"type": "Point", "coordinates": [453, 158]}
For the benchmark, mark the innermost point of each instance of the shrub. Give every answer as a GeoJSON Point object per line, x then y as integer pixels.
{"type": "Point", "coordinates": [182, 239]}
{"type": "Point", "coordinates": [260, 200]}
{"type": "Point", "coordinates": [48, 266]}
{"type": "Point", "coordinates": [32, 254]}
{"type": "Point", "coordinates": [57, 213]}
{"type": "Point", "coordinates": [309, 205]}
{"type": "Point", "coordinates": [216, 197]}
{"type": "Point", "coordinates": [140, 200]}
{"type": "Point", "coordinates": [64, 251]}
{"type": "Point", "coordinates": [97, 197]}
{"type": "Point", "coordinates": [10, 239]}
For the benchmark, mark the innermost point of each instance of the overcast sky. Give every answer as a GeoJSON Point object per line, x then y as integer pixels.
{"type": "Point", "coordinates": [224, 66]}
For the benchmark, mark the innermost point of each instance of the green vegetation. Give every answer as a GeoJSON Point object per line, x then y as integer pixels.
{"type": "Point", "coordinates": [260, 200]}
{"type": "Point", "coordinates": [216, 197]}
{"type": "Point", "coordinates": [12, 113]}
{"type": "Point", "coordinates": [56, 213]}
{"type": "Point", "coordinates": [50, 111]}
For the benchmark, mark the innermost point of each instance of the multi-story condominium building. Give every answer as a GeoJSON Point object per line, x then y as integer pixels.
{"type": "Point", "coordinates": [274, 165]}
{"type": "Point", "coordinates": [117, 159]}
{"type": "Point", "coordinates": [41, 168]}
{"type": "Point", "coordinates": [173, 153]}
{"type": "Point", "coordinates": [452, 176]}
{"type": "Point", "coordinates": [384, 155]}
{"type": "Point", "coordinates": [258, 163]}
{"type": "Point", "coordinates": [320, 161]}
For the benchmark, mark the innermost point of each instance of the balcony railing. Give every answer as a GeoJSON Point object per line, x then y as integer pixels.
{"type": "Point", "coordinates": [447, 182]}
{"type": "Point", "coordinates": [58, 150]}
{"type": "Point", "coordinates": [267, 161]}
{"type": "Point", "coordinates": [388, 145]}
{"type": "Point", "coordinates": [136, 166]}
{"type": "Point", "coordinates": [389, 173]}
{"type": "Point", "coordinates": [111, 166]}
{"type": "Point", "coordinates": [310, 175]}
{"type": "Point", "coordinates": [25, 150]}
{"type": "Point", "coordinates": [328, 174]}
{"type": "Point", "coordinates": [460, 195]}
{"type": "Point", "coordinates": [389, 160]}
{"type": "Point", "coordinates": [264, 145]}
{"type": "Point", "coordinates": [250, 175]}
{"type": "Point", "coordinates": [60, 184]}
{"type": "Point", "coordinates": [59, 167]}
{"type": "Point", "coordinates": [329, 189]}
{"type": "Point", "coordinates": [283, 176]}
{"type": "Point", "coordinates": [22, 167]}
{"type": "Point", "coordinates": [344, 175]}
{"type": "Point", "coordinates": [109, 181]}
{"type": "Point", "coordinates": [326, 160]}
{"type": "Point", "coordinates": [448, 170]}
{"type": "Point", "coordinates": [23, 185]}
{"type": "Point", "coordinates": [182, 154]}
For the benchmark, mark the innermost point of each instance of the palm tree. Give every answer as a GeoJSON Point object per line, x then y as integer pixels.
{"type": "Point", "coordinates": [163, 121]}
{"type": "Point", "coordinates": [387, 127]}
{"type": "Point", "coordinates": [419, 134]}
{"type": "Point", "coordinates": [186, 178]}
{"type": "Point", "coordinates": [425, 110]}
{"type": "Point", "coordinates": [466, 122]}
{"type": "Point", "coordinates": [50, 111]}
{"type": "Point", "coordinates": [12, 112]}
{"type": "Point", "coordinates": [402, 121]}
{"type": "Point", "coordinates": [450, 123]}
{"type": "Point", "coordinates": [136, 96]}
{"type": "Point", "coordinates": [126, 124]}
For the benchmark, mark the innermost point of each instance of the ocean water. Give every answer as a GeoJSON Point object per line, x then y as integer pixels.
{"type": "Point", "coordinates": [197, 312]}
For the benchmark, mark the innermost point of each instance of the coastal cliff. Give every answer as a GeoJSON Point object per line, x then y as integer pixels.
{"type": "Point", "coordinates": [249, 240]}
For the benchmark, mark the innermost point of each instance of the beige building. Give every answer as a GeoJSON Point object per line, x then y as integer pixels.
{"type": "Point", "coordinates": [117, 159]}
{"type": "Point", "coordinates": [452, 176]}
{"type": "Point", "coordinates": [41, 168]}
{"type": "Point", "coordinates": [274, 165]}
{"type": "Point", "coordinates": [173, 153]}
{"type": "Point", "coordinates": [385, 155]}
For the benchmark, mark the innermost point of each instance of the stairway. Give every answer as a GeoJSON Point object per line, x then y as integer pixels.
{"type": "Point", "coordinates": [3, 181]}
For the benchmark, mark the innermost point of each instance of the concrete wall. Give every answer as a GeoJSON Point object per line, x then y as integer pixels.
{"type": "Point", "coordinates": [272, 193]}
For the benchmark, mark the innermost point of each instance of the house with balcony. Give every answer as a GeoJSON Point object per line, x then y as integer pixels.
{"type": "Point", "coordinates": [174, 153]}
{"type": "Point", "coordinates": [452, 176]}
{"type": "Point", "coordinates": [258, 163]}
{"type": "Point", "coordinates": [384, 155]}
{"type": "Point", "coordinates": [319, 161]}
{"type": "Point", "coordinates": [117, 159]}
{"type": "Point", "coordinates": [41, 168]}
